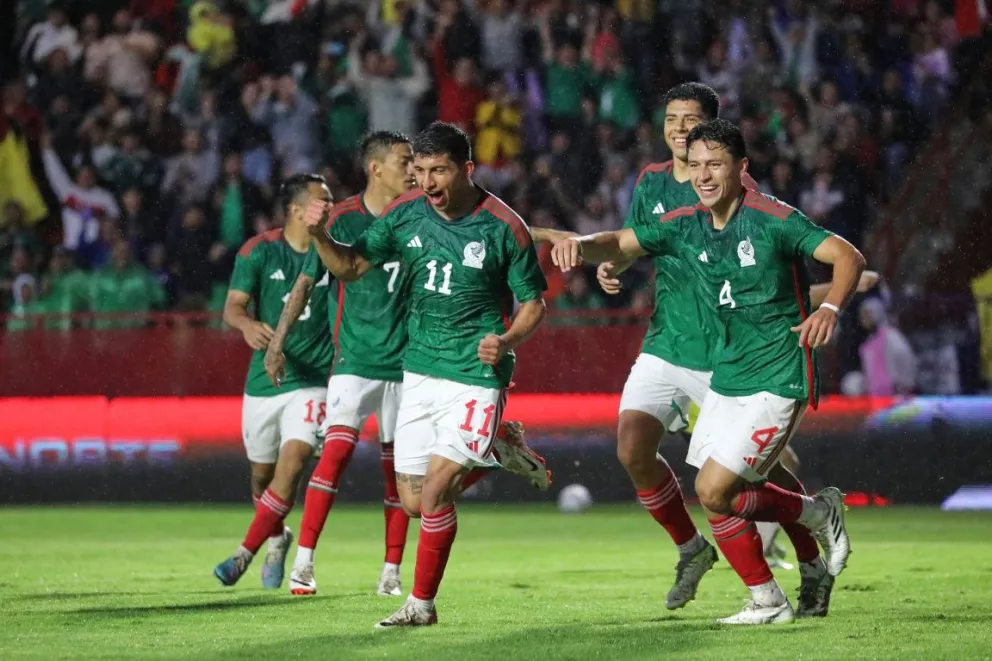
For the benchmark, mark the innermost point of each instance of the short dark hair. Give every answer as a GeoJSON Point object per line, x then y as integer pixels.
{"type": "Point", "coordinates": [441, 138]}
{"type": "Point", "coordinates": [375, 143]}
{"type": "Point", "coordinates": [724, 133]}
{"type": "Point", "coordinates": [704, 95]}
{"type": "Point", "coordinates": [295, 187]}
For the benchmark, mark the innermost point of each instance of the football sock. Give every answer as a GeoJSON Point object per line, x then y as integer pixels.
{"type": "Point", "coordinates": [768, 594]}
{"type": "Point", "coordinates": [271, 511]}
{"type": "Point", "coordinates": [740, 544]}
{"type": "Point", "coordinates": [275, 535]}
{"type": "Point", "coordinates": [437, 534]}
{"type": "Point", "coordinates": [807, 550]}
{"type": "Point", "coordinates": [666, 505]}
{"type": "Point", "coordinates": [769, 503]}
{"type": "Point", "coordinates": [339, 445]}
{"type": "Point", "coordinates": [397, 522]}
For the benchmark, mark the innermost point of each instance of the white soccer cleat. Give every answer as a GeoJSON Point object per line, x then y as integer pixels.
{"type": "Point", "coordinates": [755, 613]}
{"type": "Point", "coordinates": [301, 580]}
{"type": "Point", "coordinates": [832, 534]}
{"type": "Point", "coordinates": [389, 582]}
{"type": "Point", "coordinates": [814, 595]}
{"type": "Point", "coordinates": [410, 614]}
{"type": "Point", "coordinates": [688, 573]}
{"type": "Point", "coordinates": [516, 457]}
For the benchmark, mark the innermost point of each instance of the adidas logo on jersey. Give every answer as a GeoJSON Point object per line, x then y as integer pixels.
{"type": "Point", "coordinates": [659, 209]}
{"type": "Point", "coordinates": [703, 258]}
{"type": "Point", "coordinates": [278, 275]}
{"type": "Point", "coordinates": [415, 243]}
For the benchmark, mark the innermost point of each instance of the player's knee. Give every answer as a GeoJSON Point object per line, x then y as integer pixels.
{"type": "Point", "coordinates": [637, 441]}
{"type": "Point", "coordinates": [714, 497]}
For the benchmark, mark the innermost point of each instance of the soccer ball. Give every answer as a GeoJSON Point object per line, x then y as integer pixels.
{"type": "Point", "coordinates": [573, 499]}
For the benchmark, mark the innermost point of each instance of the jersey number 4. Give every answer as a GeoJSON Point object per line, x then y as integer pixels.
{"type": "Point", "coordinates": [445, 287]}
{"type": "Point", "coordinates": [725, 297]}
{"type": "Point", "coordinates": [306, 311]}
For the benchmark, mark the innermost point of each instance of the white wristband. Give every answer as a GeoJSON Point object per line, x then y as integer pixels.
{"type": "Point", "coordinates": [830, 306]}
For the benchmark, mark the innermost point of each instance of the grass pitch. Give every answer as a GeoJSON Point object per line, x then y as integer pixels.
{"type": "Point", "coordinates": [522, 583]}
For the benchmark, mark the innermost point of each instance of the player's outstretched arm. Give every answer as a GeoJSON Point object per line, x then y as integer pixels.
{"type": "Point", "coordinates": [539, 234]}
{"type": "Point", "coordinates": [275, 359]}
{"type": "Point", "coordinates": [256, 333]}
{"type": "Point", "coordinates": [848, 265]}
{"type": "Point", "coordinates": [342, 261]}
{"type": "Point", "coordinates": [621, 245]}
{"type": "Point", "coordinates": [818, 293]}
{"type": "Point", "coordinates": [529, 316]}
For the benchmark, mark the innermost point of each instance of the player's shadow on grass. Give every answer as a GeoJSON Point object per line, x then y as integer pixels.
{"type": "Point", "coordinates": [217, 605]}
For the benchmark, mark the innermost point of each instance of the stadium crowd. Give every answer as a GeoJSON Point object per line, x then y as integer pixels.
{"type": "Point", "coordinates": [143, 141]}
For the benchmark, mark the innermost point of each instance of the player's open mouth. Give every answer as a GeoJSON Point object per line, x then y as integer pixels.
{"type": "Point", "coordinates": [679, 141]}
{"type": "Point", "coordinates": [709, 190]}
{"type": "Point", "coordinates": [435, 198]}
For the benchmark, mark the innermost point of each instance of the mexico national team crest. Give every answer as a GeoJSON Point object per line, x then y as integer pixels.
{"type": "Point", "coordinates": [745, 251]}
{"type": "Point", "coordinates": [475, 253]}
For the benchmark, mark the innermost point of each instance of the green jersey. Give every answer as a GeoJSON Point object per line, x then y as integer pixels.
{"type": "Point", "coordinates": [682, 329]}
{"type": "Point", "coordinates": [463, 275]}
{"type": "Point", "coordinates": [266, 269]}
{"type": "Point", "coordinates": [753, 274]}
{"type": "Point", "coordinates": [370, 316]}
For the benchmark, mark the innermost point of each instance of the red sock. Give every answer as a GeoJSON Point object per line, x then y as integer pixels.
{"type": "Point", "coordinates": [278, 527]}
{"type": "Point", "coordinates": [666, 505]}
{"type": "Point", "coordinates": [740, 544]}
{"type": "Point", "coordinates": [768, 503]}
{"type": "Point", "coordinates": [799, 535]}
{"type": "Point", "coordinates": [339, 445]}
{"type": "Point", "coordinates": [437, 534]}
{"type": "Point", "coordinates": [474, 476]}
{"type": "Point", "coordinates": [397, 521]}
{"type": "Point", "coordinates": [269, 515]}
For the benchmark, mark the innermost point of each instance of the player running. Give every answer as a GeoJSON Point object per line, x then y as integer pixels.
{"type": "Point", "coordinates": [468, 255]}
{"type": "Point", "coordinates": [280, 425]}
{"type": "Point", "coordinates": [745, 253]}
{"type": "Point", "coordinates": [371, 335]}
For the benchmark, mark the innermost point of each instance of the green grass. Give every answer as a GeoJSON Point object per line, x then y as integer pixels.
{"type": "Point", "coordinates": [523, 583]}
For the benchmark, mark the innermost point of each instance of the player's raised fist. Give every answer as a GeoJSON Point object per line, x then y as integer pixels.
{"type": "Point", "coordinates": [567, 255]}
{"type": "Point", "coordinates": [607, 281]}
{"type": "Point", "coordinates": [491, 349]}
{"type": "Point", "coordinates": [818, 328]}
{"type": "Point", "coordinates": [315, 213]}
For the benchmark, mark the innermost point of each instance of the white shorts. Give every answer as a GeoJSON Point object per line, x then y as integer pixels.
{"type": "Point", "coordinates": [351, 400]}
{"type": "Point", "coordinates": [744, 434]}
{"type": "Point", "coordinates": [452, 420]}
{"type": "Point", "coordinates": [663, 390]}
{"type": "Point", "coordinates": [268, 422]}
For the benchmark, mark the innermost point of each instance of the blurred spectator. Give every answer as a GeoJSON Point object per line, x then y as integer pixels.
{"type": "Point", "coordinates": [459, 92]}
{"type": "Point", "coordinates": [193, 258]}
{"type": "Point", "coordinates": [64, 291]}
{"type": "Point", "coordinates": [211, 34]}
{"type": "Point", "coordinates": [54, 33]}
{"type": "Point", "coordinates": [18, 266]}
{"type": "Point", "coordinates": [498, 136]}
{"type": "Point", "coordinates": [390, 96]}
{"type": "Point", "coordinates": [17, 186]}
{"type": "Point", "coordinates": [291, 116]}
{"type": "Point", "coordinates": [887, 360]}
{"type": "Point", "coordinates": [121, 59]}
{"type": "Point", "coordinates": [578, 297]}
{"type": "Point", "coordinates": [501, 24]}
{"type": "Point", "coordinates": [191, 174]}
{"type": "Point", "coordinates": [123, 288]}
{"type": "Point", "coordinates": [84, 204]}
{"type": "Point", "coordinates": [24, 305]}
{"type": "Point", "coordinates": [235, 202]}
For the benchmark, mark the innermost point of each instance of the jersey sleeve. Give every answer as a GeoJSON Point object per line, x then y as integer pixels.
{"type": "Point", "coordinates": [798, 235]}
{"type": "Point", "coordinates": [377, 244]}
{"type": "Point", "coordinates": [525, 277]}
{"type": "Point", "coordinates": [247, 267]}
{"type": "Point", "coordinates": [638, 212]}
{"type": "Point", "coordinates": [312, 266]}
{"type": "Point", "coordinates": [657, 238]}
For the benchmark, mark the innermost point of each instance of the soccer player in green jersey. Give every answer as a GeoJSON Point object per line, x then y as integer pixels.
{"type": "Point", "coordinates": [280, 425]}
{"type": "Point", "coordinates": [369, 321]}
{"type": "Point", "coordinates": [745, 252]}
{"type": "Point", "coordinates": [468, 256]}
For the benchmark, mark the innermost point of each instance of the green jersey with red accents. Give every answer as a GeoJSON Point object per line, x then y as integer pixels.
{"type": "Point", "coordinates": [463, 276]}
{"type": "Point", "coordinates": [369, 320]}
{"type": "Point", "coordinates": [752, 273]}
{"type": "Point", "coordinates": [266, 268]}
